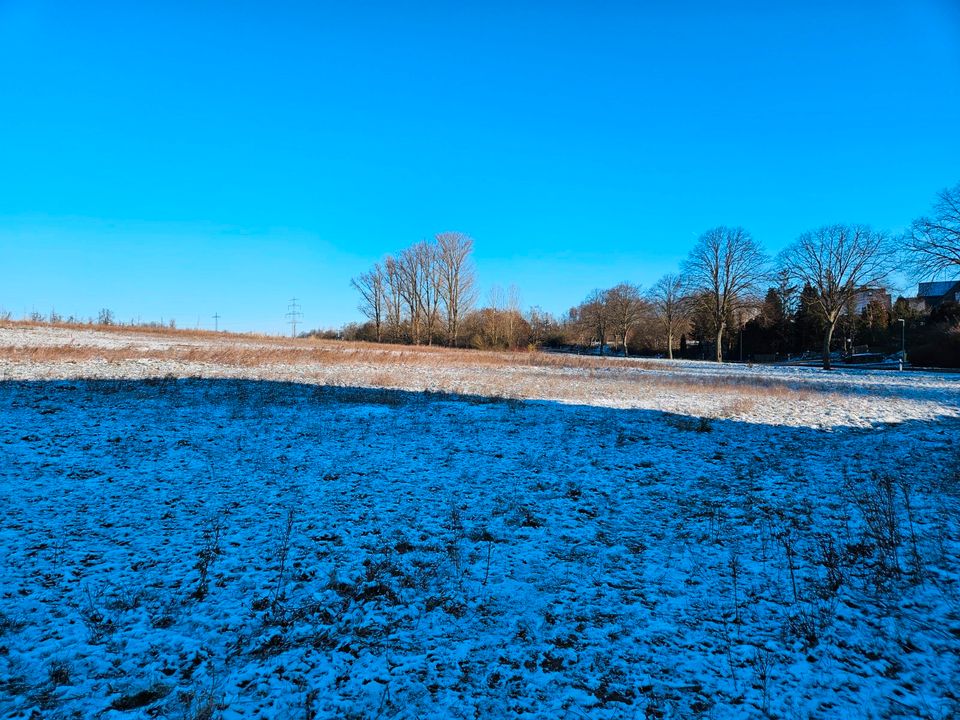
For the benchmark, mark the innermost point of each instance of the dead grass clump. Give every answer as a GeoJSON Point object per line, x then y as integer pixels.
{"type": "Point", "coordinates": [739, 407]}
{"type": "Point", "coordinates": [384, 379]}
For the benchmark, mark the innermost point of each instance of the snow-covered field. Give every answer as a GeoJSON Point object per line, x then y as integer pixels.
{"type": "Point", "coordinates": [183, 538]}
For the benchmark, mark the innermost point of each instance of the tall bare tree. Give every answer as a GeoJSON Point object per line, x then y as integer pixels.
{"type": "Point", "coordinates": [408, 295]}
{"type": "Point", "coordinates": [594, 314]}
{"type": "Point", "coordinates": [373, 298]}
{"type": "Point", "coordinates": [494, 320]}
{"type": "Point", "coordinates": [457, 279]}
{"type": "Point", "coordinates": [393, 298]}
{"type": "Point", "coordinates": [512, 315]}
{"type": "Point", "coordinates": [727, 265]}
{"type": "Point", "coordinates": [430, 286]}
{"type": "Point", "coordinates": [934, 242]}
{"type": "Point", "coordinates": [625, 307]}
{"type": "Point", "coordinates": [416, 271]}
{"type": "Point", "coordinates": [671, 306]}
{"type": "Point", "coordinates": [410, 281]}
{"type": "Point", "coordinates": [837, 261]}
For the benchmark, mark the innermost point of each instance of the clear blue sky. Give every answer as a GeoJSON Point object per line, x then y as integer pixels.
{"type": "Point", "coordinates": [176, 159]}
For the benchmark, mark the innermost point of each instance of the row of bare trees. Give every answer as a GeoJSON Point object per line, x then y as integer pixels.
{"type": "Point", "coordinates": [727, 269]}
{"type": "Point", "coordinates": [723, 276]}
{"type": "Point", "coordinates": [615, 312]}
{"type": "Point", "coordinates": [629, 316]}
{"type": "Point", "coordinates": [722, 281]}
{"type": "Point", "coordinates": [427, 292]}
{"type": "Point", "coordinates": [422, 293]}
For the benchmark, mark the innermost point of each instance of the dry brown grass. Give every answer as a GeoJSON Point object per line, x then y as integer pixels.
{"type": "Point", "coordinates": [565, 375]}
{"type": "Point", "coordinates": [148, 330]}
{"type": "Point", "coordinates": [252, 350]}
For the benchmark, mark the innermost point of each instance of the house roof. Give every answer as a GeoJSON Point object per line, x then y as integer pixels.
{"type": "Point", "coordinates": [936, 289]}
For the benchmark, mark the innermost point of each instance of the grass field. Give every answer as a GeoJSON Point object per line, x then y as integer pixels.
{"type": "Point", "coordinates": [202, 526]}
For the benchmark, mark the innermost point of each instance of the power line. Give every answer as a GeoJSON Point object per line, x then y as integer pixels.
{"type": "Point", "coordinates": [293, 312]}
{"type": "Point", "coordinates": [216, 322]}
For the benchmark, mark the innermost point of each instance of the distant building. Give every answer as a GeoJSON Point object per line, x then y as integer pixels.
{"type": "Point", "coordinates": [866, 295]}
{"type": "Point", "coordinates": [934, 293]}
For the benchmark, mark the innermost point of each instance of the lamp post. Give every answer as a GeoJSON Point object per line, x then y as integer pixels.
{"type": "Point", "coordinates": [903, 341]}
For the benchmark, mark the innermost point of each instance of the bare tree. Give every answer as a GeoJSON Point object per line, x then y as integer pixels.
{"type": "Point", "coordinates": [574, 328]}
{"type": "Point", "coordinates": [408, 268]}
{"type": "Point", "coordinates": [425, 287]}
{"type": "Point", "coordinates": [430, 286]}
{"type": "Point", "coordinates": [393, 298]}
{"type": "Point", "coordinates": [512, 315]}
{"type": "Point", "coordinates": [727, 265]}
{"type": "Point", "coordinates": [671, 306]}
{"type": "Point", "coordinates": [457, 279]}
{"type": "Point", "coordinates": [542, 325]}
{"type": "Point", "coordinates": [496, 302]}
{"type": "Point", "coordinates": [625, 308]}
{"type": "Point", "coordinates": [417, 288]}
{"type": "Point", "coordinates": [373, 299]}
{"type": "Point", "coordinates": [934, 242]}
{"type": "Point", "coordinates": [595, 317]}
{"type": "Point", "coordinates": [837, 261]}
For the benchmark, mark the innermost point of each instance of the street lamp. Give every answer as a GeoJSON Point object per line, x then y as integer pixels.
{"type": "Point", "coordinates": [903, 340]}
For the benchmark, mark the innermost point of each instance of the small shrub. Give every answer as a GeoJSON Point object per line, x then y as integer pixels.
{"type": "Point", "coordinates": [689, 424]}
{"type": "Point", "coordinates": [9, 624]}
{"type": "Point", "coordinates": [878, 506]}
{"type": "Point", "coordinates": [140, 699]}
{"type": "Point", "coordinates": [59, 673]}
{"type": "Point", "coordinates": [209, 550]}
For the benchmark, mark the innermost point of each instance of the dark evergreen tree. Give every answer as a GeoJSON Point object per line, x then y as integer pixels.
{"type": "Point", "coordinates": [874, 325]}
{"type": "Point", "coordinates": [787, 296]}
{"type": "Point", "coordinates": [760, 334]}
{"type": "Point", "coordinates": [808, 320]}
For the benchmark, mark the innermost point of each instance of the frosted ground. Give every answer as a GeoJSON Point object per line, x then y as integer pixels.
{"type": "Point", "coordinates": [188, 533]}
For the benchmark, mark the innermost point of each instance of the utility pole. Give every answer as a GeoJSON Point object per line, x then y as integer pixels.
{"type": "Point", "coordinates": [216, 322]}
{"type": "Point", "coordinates": [293, 312]}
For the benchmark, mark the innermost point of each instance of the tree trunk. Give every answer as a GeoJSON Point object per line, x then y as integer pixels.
{"type": "Point", "coordinates": [719, 343]}
{"type": "Point", "coordinates": [827, 338]}
{"type": "Point", "coordinates": [669, 344]}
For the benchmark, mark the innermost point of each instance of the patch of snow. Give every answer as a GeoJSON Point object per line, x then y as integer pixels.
{"type": "Point", "coordinates": [301, 543]}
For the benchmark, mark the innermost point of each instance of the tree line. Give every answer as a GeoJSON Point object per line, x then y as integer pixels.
{"type": "Point", "coordinates": [727, 291]}
{"type": "Point", "coordinates": [427, 294]}
{"type": "Point", "coordinates": [422, 293]}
